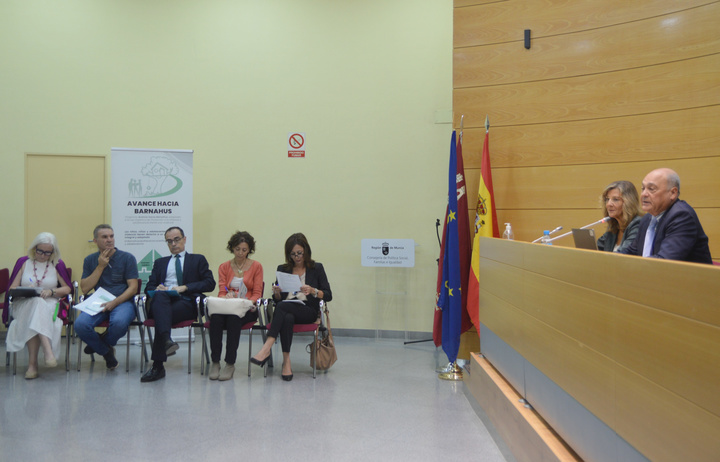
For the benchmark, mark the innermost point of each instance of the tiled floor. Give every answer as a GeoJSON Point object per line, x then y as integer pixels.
{"type": "Point", "coordinates": [382, 400]}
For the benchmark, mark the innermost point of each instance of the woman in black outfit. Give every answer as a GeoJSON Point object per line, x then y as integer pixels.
{"type": "Point", "coordinates": [315, 287]}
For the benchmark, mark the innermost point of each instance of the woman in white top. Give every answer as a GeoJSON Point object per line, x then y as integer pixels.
{"type": "Point", "coordinates": [35, 321]}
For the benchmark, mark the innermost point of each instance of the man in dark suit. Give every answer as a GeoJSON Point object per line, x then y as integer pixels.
{"type": "Point", "coordinates": [671, 228]}
{"type": "Point", "coordinates": [187, 274]}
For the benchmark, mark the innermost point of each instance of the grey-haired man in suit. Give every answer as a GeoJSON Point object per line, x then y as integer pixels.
{"type": "Point", "coordinates": [671, 228]}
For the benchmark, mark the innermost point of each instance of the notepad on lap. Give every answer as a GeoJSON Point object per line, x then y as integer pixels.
{"type": "Point", "coordinates": [24, 292]}
{"type": "Point", "coordinates": [171, 293]}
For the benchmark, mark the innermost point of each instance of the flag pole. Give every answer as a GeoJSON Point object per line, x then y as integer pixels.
{"type": "Point", "coordinates": [487, 124]}
{"type": "Point", "coordinates": [462, 120]}
{"type": "Point", "coordinates": [453, 371]}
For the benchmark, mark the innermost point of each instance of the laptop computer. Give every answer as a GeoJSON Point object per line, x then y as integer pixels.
{"type": "Point", "coordinates": [584, 239]}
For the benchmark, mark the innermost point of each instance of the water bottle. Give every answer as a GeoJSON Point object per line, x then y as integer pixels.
{"type": "Point", "coordinates": [546, 238]}
{"type": "Point", "coordinates": [508, 234]}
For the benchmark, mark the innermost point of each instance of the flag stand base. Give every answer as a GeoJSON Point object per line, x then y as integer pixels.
{"type": "Point", "coordinates": [454, 373]}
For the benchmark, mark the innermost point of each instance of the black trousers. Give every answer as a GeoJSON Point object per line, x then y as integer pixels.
{"type": "Point", "coordinates": [233, 325]}
{"type": "Point", "coordinates": [166, 311]}
{"type": "Point", "coordinates": [286, 315]}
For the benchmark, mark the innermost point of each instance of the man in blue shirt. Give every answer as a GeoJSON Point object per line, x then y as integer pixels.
{"type": "Point", "coordinates": [115, 271]}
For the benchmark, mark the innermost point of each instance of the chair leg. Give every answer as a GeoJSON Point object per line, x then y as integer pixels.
{"type": "Point", "coordinates": [79, 344]}
{"type": "Point", "coordinates": [67, 350]}
{"type": "Point", "coordinates": [189, 349]}
{"type": "Point", "coordinates": [265, 367]}
{"type": "Point", "coordinates": [315, 353]}
{"type": "Point", "coordinates": [143, 353]}
{"type": "Point", "coordinates": [142, 342]}
{"type": "Point", "coordinates": [127, 352]}
{"type": "Point", "coordinates": [250, 351]}
{"type": "Point", "coordinates": [271, 361]}
{"type": "Point", "coordinates": [14, 355]}
{"type": "Point", "coordinates": [204, 355]}
{"type": "Point", "coordinates": [202, 352]}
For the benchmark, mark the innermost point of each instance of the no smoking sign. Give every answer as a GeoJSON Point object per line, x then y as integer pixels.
{"type": "Point", "coordinates": [296, 144]}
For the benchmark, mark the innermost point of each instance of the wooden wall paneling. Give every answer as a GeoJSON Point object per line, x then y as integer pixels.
{"type": "Point", "coordinates": [676, 337]}
{"type": "Point", "coordinates": [692, 293]}
{"type": "Point", "coordinates": [528, 225]}
{"type": "Point", "coordinates": [663, 347]}
{"type": "Point", "coordinates": [503, 318]}
{"type": "Point", "coordinates": [499, 22]}
{"type": "Point", "coordinates": [574, 310]}
{"type": "Point", "coordinates": [585, 268]}
{"type": "Point", "coordinates": [565, 121]}
{"type": "Point", "coordinates": [655, 40]}
{"type": "Point", "coordinates": [464, 3]}
{"type": "Point", "coordinates": [662, 425]}
{"type": "Point", "coordinates": [686, 133]}
{"type": "Point", "coordinates": [503, 281]}
{"type": "Point", "coordinates": [514, 256]}
{"type": "Point", "coordinates": [654, 380]}
{"type": "Point", "coordinates": [668, 87]}
{"type": "Point", "coordinates": [579, 186]}
{"type": "Point", "coordinates": [668, 349]}
{"type": "Point", "coordinates": [583, 373]}
{"type": "Point", "coordinates": [710, 220]}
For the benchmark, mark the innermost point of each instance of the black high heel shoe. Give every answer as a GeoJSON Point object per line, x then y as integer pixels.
{"type": "Point", "coordinates": [287, 378]}
{"type": "Point", "coordinates": [258, 362]}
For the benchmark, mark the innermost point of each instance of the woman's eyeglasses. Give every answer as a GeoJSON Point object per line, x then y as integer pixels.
{"type": "Point", "coordinates": [44, 252]}
{"type": "Point", "coordinates": [297, 254]}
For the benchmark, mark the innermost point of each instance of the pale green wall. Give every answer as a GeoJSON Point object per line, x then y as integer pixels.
{"type": "Point", "coordinates": [364, 79]}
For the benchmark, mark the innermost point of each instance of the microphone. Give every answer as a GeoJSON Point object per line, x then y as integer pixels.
{"type": "Point", "coordinates": [604, 220]}
{"type": "Point", "coordinates": [554, 230]}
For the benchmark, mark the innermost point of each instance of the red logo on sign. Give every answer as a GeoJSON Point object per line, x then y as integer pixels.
{"type": "Point", "coordinates": [296, 140]}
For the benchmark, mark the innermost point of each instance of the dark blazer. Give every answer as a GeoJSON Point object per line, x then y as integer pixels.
{"type": "Point", "coordinates": [196, 275]}
{"type": "Point", "coordinates": [679, 236]}
{"type": "Point", "coordinates": [314, 277]}
{"type": "Point", "coordinates": [608, 240]}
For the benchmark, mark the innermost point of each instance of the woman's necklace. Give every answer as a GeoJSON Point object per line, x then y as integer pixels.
{"type": "Point", "coordinates": [39, 281]}
{"type": "Point", "coordinates": [239, 268]}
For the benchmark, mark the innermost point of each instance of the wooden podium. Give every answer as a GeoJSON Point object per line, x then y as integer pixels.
{"type": "Point", "coordinates": [635, 341]}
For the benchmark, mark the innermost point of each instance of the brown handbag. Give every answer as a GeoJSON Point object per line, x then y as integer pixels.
{"type": "Point", "coordinates": [325, 346]}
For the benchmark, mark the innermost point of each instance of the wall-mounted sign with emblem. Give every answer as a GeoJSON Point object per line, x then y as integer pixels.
{"type": "Point", "coordinates": [388, 252]}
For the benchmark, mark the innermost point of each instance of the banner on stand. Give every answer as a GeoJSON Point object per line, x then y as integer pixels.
{"type": "Point", "coordinates": [152, 190]}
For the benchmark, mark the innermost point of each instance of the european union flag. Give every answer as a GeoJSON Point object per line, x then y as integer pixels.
{"type": "Point", "coordinates": [450, 300]}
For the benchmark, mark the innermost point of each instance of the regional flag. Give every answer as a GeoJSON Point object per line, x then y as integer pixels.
{"type": "Point", "coordinates": [486, 224]}
{"type": "Point", "coordinates": [463, 234]}
{"type": "Point", "coordinates": [450, 299]}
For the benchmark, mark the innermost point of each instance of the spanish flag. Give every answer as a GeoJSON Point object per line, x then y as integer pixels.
{"type": "Point", "coordinates": [486, 224]}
